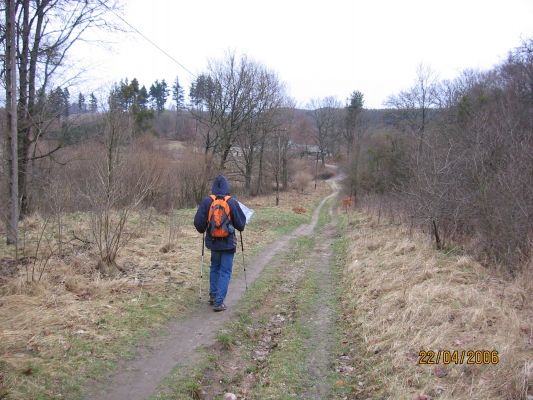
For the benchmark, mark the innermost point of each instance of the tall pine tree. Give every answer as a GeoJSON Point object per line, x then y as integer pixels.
{"type": "Point", "coordinates": [159, 93]}
{"type": "Point", "coordinates": [177, 94]}
{"type": "Point", "coordinates": [93, 103]}
{"type": "Point", "coordinates": [82, 107]}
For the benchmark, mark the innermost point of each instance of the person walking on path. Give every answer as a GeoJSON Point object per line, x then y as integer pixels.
{"type": "Point", "coordinates": [218, 215]}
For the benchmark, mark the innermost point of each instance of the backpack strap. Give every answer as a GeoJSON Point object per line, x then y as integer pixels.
{"type": "Point", "coordinates": [226, 198]}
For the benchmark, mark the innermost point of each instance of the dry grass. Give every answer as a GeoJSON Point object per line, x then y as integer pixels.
{"type": "Point", "coordinates": [403, 297]}
{"type": "Point", "coordinates": [290, 198]}
{"type": "Point", "coordinates": [74, 317]}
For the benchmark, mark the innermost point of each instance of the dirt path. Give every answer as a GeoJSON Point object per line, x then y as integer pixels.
{"type": "Point", "coordinates": [321, 317]}
{"type": "Point", "coordinates": [138, 379]}
{"type": "Point", "coordinates": [285, 346]}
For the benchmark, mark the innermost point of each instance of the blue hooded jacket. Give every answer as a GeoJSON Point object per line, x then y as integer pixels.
{"type": "Point", "coordinates": [238, 220]}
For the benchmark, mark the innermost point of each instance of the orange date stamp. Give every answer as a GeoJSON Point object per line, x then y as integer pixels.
{"type": "Point", "coordinates": [459, 357]}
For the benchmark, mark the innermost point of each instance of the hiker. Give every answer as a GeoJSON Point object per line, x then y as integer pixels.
{"type": "Point", "coordinates": [220, 236]}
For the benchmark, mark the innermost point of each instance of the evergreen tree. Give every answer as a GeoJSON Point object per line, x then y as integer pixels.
{"type": "Point", "coordinates": [142, 98]}
{"type": "Point", "coordinates": [143, 115]}
{"type": "Point", "coordinates": [56, 103]}
{"type": "Point", "coordinates": [159, 93]}
{"type": "Point", "coordinates": [177, 94]}
{"type": "Point", "coordinates": [129, 98]}
{"type": "Point", "coordinates": [93, 103]}
{"type": "Point", "coordinates": [65, 96]}
{"type": "Point", "coordinates": [201, 90]}
{"type": "Point", "coordinates": [82, 107]}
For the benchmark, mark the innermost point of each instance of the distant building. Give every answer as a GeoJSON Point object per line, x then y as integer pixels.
{"type": "Point", "coordinates": [305, 150]}
{"type": "Point", "coordinates": [236, 151]}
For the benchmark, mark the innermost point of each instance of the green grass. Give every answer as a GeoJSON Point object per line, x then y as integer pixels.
{"type": "Point", "coordinates": [189, 388]}
{"type": "Point", "coordinates": [324, 216]}
{"type": "Point", "coordinates": [287, 369]}
{"type": "Point", "coordinates": [95, 359]}
{"type": "Point", "coordinates": [226, 340]}
{"type": "Point", "coordinates": [277, 220]}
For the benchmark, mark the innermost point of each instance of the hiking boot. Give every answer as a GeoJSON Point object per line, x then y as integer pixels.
{"type": "Point", "coordinates": [211, 300]}
{"type": "Point", "coordinates": [220, 307]}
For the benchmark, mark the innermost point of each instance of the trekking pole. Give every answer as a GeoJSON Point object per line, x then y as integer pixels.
{"type": "Point", "coordinates": [243, 264]}
{"type": "Point", "coordinates": [202, 265]}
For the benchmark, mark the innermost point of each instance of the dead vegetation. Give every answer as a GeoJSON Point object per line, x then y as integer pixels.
{"type": "Point", "coordinates": [401, 297]}
{"type": "Point", "coordinates": [77, 319]}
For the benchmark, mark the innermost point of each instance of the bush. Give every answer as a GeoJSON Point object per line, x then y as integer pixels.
{"type": "Point", "coordinates": [302, 180]}
{"type": "Point", "coordinates": [326, 173]}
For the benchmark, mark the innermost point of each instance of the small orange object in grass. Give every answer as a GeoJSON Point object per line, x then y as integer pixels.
{"type": "Point", "coordinates": [346, 203]}
{"type": "Point", "coordinates": [299, 210]}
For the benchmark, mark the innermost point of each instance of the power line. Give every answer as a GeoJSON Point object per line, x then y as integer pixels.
{"type": "Point", "coordinates": [148, 39]}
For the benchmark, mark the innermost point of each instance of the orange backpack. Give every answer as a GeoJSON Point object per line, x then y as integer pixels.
{"type": "Point", "coordinates": [219, 217]}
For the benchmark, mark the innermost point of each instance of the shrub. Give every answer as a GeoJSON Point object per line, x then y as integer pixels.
{"type": "Point", "coordinates": [302, 180]}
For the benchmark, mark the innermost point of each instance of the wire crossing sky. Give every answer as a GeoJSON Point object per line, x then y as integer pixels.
{"type": "Point", "coordinates": [319, 48]}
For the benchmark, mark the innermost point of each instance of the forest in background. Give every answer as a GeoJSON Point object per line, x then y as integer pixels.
{"type": "Point", "coordinates": [452, 157]}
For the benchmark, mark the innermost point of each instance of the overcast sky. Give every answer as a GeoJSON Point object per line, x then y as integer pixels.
{"type": "Point", "coordinates": [318, 48]}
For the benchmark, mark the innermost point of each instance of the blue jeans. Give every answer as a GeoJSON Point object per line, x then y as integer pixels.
{"type": "Point", "coordinates": [220, 275]}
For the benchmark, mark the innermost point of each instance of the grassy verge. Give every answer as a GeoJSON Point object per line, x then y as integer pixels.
{"type": "Point", "coordinates": [74, 325]}
{"type": "Point", "coordinates": [401, 297]}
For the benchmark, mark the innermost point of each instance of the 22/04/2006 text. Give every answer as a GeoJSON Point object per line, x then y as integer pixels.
{"type": "Point", "coordinates": [477, 357]}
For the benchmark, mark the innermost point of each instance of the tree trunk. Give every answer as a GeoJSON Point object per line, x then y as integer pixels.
{"type": "Point", "coordinates": [23, 173]}
{"type": "Point", "coordinates": [248, 166]}
{"type": "Point", "coordinates": [278, 170]}
{"type": "Point", "coordinates": [177, 122]}
{"type": "Point", "coordinates": [436, 233]}
{"type": "Point", "coordinates": [27, 75]}
{"type": "Point", "coordinates": [224, 157]}
{"type": "Point", "coordinates": [284, 172]}
{"type": "Point", "coordinates": [12, 136]}
{"type": "Point", "coordinates": [316, 170]}
{"type": "Point", "coordinates": [248, 178]}
{"type": "Point", "coordinates": [260, 173]}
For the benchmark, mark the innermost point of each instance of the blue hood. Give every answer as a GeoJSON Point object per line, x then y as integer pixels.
{"type": "Point", "coordinates": [220, 186]}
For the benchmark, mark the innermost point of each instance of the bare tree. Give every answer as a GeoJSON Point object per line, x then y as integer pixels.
{"type": "Point", "coordinates": [269, 96]}
{"type": "Point", "coordinates": [114, 188]}
{"type": "Point", "coordinates": [47, 30]}
{"type": "Point", "coordinates": [471, 179]}
{"type": "Point", "coordinates": [415, 103]}
{"type": "Point", "coordinates": [325, 113]}
{"type": "Point", "coordinates": [231, 97]}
